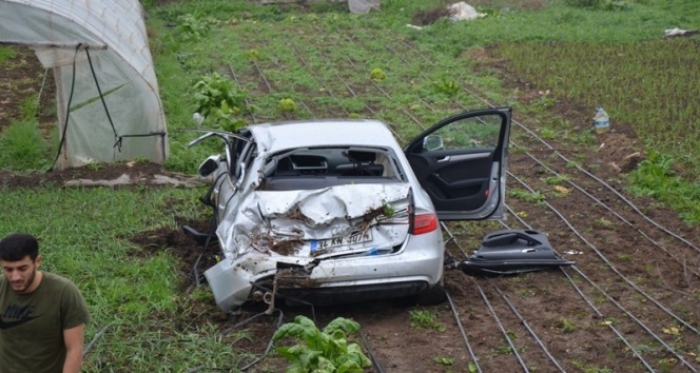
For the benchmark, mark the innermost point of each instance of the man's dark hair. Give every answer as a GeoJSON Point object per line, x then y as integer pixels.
{"type": "Point", "coordinates": [16, 246]}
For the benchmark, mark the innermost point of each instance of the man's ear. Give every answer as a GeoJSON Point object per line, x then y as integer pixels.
{"type": "Point", "coordinates": [37, 261]}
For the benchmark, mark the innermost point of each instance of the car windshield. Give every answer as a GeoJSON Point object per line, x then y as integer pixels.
{"type": "Point", "coordinates": [315, 168]}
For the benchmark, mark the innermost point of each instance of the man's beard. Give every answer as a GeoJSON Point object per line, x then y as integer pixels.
{"type": "Point", "coordinates": [27, 283]}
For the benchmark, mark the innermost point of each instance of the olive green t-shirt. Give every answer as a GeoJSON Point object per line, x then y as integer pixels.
{"type": "Point", "coordinates": [31, 325]}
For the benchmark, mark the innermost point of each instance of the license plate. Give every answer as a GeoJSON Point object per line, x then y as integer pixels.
{"type": "Point", "coordinates": [357, 237]}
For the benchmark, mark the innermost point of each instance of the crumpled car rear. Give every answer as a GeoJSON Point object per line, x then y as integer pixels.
{"type": "Point", "coordinates": [341, 236]}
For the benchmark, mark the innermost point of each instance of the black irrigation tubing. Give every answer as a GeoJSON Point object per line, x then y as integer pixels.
{"type": "Point", "coordinates": [529, 329]}
{"type": "Point", "coordinates": [607, 262]}
{"type": "Point", "coordinates": [277, 64]}
{"type": "Point", "coordinates": [577, 166]}
{"type": "Point", "coordinates": [328, 91]}
{"type": "Point", "coordinates": [522, 320]}
{"type": "Point", "coordinates": [87, 348]}
{"type": "Point", "coordinates": [609, 187]}
{"type": "Point", "coordinates": [500, 326]}
{"type": "Point", "coordinates": [375, 362]}
{"type": "Point", "coordinates": [602, 204]}
{"type": "Point", "coordinates": [238, 84]}
{"type": "Point", "coordinates": [353, 94]}
{"type": "Point", "coordinates": [379, 88]}
{"type": "Point", "coordinates": [267, 83]}
{"type": "Point", "coordinates": [587, 300]}
{"type": "Point", "coordinates": [464, 333]}
{"type": "Point", "coordinates": [269, 344]}
{"type": "Point", "coordinates": [398, 135]}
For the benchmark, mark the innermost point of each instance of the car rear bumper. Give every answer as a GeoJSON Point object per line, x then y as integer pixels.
{"type": "Point", "coordinates": [416, 267]}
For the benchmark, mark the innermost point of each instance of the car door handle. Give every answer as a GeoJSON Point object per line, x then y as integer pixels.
{"type": "Point", "coordinates": [444, 159]}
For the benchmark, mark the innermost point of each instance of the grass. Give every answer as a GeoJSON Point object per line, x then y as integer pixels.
{"type": "Point", "coordinates": [425, 320]}
{"type": "Point", "coordinates": [84, 234]}
{"type": "Point", "coordinates": [6, 53]}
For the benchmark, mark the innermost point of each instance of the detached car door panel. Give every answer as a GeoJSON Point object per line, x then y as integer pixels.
{"type": "Point", "coordinates": [460, 162]}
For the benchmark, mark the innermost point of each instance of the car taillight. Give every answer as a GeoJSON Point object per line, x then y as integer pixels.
{"type": "Point", "coordinates": [424, 224]}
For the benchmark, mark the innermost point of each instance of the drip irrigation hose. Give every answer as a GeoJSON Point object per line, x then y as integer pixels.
{"type": "Point", "coordinates": [328, 91]}
{"type": "Point", "coordinates": [398, 135]}
{"type": "Point", "coordinates": [461, 331]}
{"type": "Point", "coordinates": [636, 320]}
{"type": "Point", "coordinates": [602, 204]}
{"type": "Point", "coordinates": [500, 326]}
{"type": "Point", "coordinates": [562, 157]}
{"type": "Point", "coordinates": [588, 301]}
{"type": "Point", "coordinates": [87, 348]}
{"type": "Point", "coordinates": [247, 103]}
{"type": "Point", "coordinates": [277, 64]}
{"type": "Point", "coordinates": [269, 344]}
{"type": "Point", "coordinates": [375, 362]}
{"type": "Point", "coordinates": [604, 259]}
{"type": "Point", "coordinates": [527, 326]}
{"type": "Point", "coordinates": [610, 188]}
{"type": "Point", "coordinates": [70, 100]}
{"type": "Point", "coordinates": [256, 360]}
{"type": "Point", "coordinates": [621, 308]}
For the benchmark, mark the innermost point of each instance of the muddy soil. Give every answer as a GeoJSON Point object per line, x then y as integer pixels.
{"type": "Point", "coordinates": [633, 292]}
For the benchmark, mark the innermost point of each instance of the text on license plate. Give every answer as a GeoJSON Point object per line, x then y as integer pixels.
{"type": "Point", "coordinates": [341, 241]}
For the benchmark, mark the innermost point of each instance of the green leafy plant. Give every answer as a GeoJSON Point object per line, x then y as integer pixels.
{"type": "Point", "coordinates": [322, 351]}
{"type": "Point", "coordinates": [425, 320]}
{"type": "Point", "coordinates": [287, 105]}
{"type": "Point", "coordinates": [526, 195]}
{"type": "Point", "coordinates": [220, 101]}
{"type": "Point", "coordinates": [444, 360]}
{"type": "Point", "coordinates": [378, 74]}
{"type": "Point", "coordinates": [191, 28]}
{"type": "Point", "coordinates": [447, 86]}
{"type": "Point", "coordinates": [556, 180]}
{"type": "Point", "coordinates": [567, 326]}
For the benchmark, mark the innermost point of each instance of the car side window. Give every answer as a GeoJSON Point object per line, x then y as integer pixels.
{"type": "Point", "coordinates": [473, 133]}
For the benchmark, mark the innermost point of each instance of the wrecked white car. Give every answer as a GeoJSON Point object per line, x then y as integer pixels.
{"type": "Point", "coordinates": [335, 211]}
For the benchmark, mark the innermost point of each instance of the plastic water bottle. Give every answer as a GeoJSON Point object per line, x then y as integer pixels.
{"type": "Point", "coordinates": [601, 121]}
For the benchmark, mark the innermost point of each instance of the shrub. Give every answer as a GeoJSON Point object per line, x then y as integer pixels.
{"type": "Point", "coordinates": [220, 101]}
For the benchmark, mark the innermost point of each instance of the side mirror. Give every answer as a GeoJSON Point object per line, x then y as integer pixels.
{"type": "Point", "coordinates": [208, 167]}
{"type": "Point", "coordinates": [432, 143]}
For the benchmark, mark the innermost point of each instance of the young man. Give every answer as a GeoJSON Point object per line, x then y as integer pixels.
{"type": "Point", "coordinates": [42, 315]}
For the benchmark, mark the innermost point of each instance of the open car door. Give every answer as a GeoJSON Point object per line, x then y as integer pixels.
{"type": "Point", "coordinates": [461, 164]}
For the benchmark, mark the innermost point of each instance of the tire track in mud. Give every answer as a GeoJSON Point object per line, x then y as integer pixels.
{"type": "Point", "coordinates": [590, 338]}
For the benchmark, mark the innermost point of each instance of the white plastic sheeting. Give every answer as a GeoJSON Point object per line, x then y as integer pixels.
{"type": "Point", "coordinates": [66, 35]}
